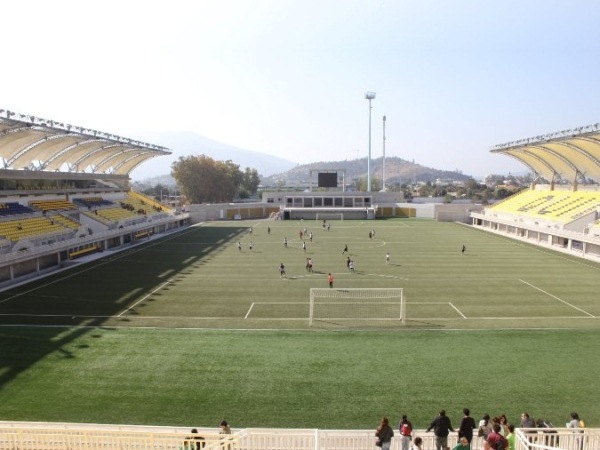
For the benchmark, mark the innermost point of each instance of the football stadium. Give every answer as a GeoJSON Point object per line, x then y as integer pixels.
{"type": "Point", "coordinates": [296, 322]}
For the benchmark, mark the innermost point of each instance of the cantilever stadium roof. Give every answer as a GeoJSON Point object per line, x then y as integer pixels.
{"type": "Point", "coordinates": [30, 143]}
{"type": "Point", "coordinates": [570, 155]}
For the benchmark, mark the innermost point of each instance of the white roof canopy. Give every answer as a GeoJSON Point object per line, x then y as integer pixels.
{"type": "Point", "coordinates": [567, 155]}
{"type": "Point", "coordinates": [30, 143]}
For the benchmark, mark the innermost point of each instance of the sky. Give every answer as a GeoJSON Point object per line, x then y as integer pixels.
{"type": "Point", "coordinates": [289, 77]}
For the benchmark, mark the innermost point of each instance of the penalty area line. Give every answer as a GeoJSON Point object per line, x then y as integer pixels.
{"type": "Point", "coordinates": [556, 298]}
{"type": "Point", "coordinates": [457, 310]}
{"type": "Point", "coordinates": [249, 311]}
{"type": "Point", "coordinates": [144, 298]}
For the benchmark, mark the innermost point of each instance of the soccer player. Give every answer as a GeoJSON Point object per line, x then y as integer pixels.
{"type": "Point", "coordinates": [239, 246]}
{"type": "Point", "coordinates": [251, 245]}
{"type": "Point", "coordinates": [330, 279]}
{"type": "Point", "coordinates": [387, 258]}
{"type": "Point", "coordinates": [281, 270]}
{"type": "Point", "coordinates": [345, 249]}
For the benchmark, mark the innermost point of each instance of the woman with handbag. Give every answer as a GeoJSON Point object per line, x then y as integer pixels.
{"type": "Point", "coordinates": [384, 434]}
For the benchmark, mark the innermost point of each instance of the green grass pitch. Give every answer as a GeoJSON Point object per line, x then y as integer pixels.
{"type": "Point", "coordinates": [187, 329]}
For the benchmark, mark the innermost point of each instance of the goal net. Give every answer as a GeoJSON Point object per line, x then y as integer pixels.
{"type": "Point", "coordinates": [357, 304]}
{"type": "Point", "coordinates": [320, 216]}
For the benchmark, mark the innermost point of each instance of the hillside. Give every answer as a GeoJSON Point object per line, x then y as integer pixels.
{"type": "Point", "coordinates": [397, 171]}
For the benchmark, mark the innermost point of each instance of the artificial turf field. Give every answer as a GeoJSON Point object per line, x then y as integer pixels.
{"type": "Point", "coordinates": [186, 330]}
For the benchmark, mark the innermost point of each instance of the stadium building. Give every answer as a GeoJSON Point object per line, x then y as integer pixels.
{"type": "Point", "coordinates": [561, 209]}
{"type": "Point", "coordinates": [65, 193]}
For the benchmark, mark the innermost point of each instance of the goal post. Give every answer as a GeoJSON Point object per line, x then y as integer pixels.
{"type": "Point", "coordinates": [357, 304]}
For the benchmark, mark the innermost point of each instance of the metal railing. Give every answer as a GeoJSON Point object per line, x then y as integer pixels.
{"type": "Point", "coordinates": [49, 436]}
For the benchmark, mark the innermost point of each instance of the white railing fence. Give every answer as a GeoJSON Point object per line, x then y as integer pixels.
{"type": "Point", "coordinates": [48, 436]}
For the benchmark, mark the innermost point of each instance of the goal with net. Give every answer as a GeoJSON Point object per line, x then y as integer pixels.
{"type": "Point", "coordinates": [357, 304]}
{"type": "Point", "coordinates": [320, 216]}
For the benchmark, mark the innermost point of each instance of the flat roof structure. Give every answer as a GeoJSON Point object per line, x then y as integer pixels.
{"type": "Point", "coordinates": [32, 143]}
{"type": "Point", "coordinates": [569, 155]}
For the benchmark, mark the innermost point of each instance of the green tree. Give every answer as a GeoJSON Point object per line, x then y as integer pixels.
{"type": "Point", "coordinates": [250, 181]}
{"type": "Point", "coordinates": [204, 180]}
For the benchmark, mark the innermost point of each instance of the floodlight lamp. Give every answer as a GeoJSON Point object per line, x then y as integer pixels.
{"type": "Point", "coordinates": [369, 95]}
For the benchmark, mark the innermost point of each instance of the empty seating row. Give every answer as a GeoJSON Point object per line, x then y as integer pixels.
{"type": "Point", "coordinates": [92, 202]}
{"type": "Point", "coordinates": [11, 208]}
{"type": "Point", "coordinates": [18, 229]}
{"type": "Point", "coordinates": [140, 201]}
{"type": "Point", "coordinates": [560, 206]}
{"type": "Point", "coordinates": [52, 205]}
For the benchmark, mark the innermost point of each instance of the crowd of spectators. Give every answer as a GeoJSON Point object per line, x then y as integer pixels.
{"type": "Point", "coordinates": [496, 432]}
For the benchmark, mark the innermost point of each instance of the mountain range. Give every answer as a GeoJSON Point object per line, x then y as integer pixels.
{"type": "Point", "coordinates": [187, 143]}
{"type": "Point", "coordinates": [273, 170]}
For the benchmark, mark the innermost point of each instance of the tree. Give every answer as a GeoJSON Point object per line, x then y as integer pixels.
{"type": "Point", "coordinates": [361, 184]}
{"type": "Point", "coordinates": [250, 181]}
{"type": "Point", "coordinates": [204, 180]}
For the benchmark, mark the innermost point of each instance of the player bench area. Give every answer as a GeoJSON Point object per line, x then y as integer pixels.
{"type": "Point", "coordinates": [83, 251]}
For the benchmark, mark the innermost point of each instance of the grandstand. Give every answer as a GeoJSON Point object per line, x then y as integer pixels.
{"type": "Point", "coordinates": [561, 209]}
{"type": "Point", "coordinates": [64, 193]}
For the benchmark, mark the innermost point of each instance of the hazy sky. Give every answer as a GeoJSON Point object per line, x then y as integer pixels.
{"type": "Point", "coordinates": [288, 78]}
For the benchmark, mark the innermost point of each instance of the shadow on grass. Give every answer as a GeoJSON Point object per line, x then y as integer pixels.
{"type": "Point", "coordinates": [86, 296]}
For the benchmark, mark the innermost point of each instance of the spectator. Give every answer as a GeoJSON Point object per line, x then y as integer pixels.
{"type": "Point", "coordinates": [574, 422]}
{"type": "Point", "coordinates": [405, 428]}
{"type": "Point", "coordinates": [526, 421]}
{"type": "Point", "coordinates": [485, 426]}
{"type": "Point", "coordinates": [511, 436]}
{"type": "Point", "coordinates": [384, 434]}
{"type": "Point", "coordinates": [194, 442]}
{"type": "Point", "coordinates": [225, 429]}
{"type": "Point", "coordinates": [417, 444]}
{"type": "Point", "coordinates": [463, 444]}
{"type": "Point", "coordinates": [504, 425]}
{"type": "Point", "coordinates": [441, 427]}
{"type": "Point", "coordinates": [496, 440]}
{"type": "Point", "coordinates": [467, 424]}
{"type": "Point", "coordinates": [551, 440]}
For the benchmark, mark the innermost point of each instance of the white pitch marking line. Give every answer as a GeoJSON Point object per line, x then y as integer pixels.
{"type": "Point", "coordinates": [457, 310]}
{"type": "Point", "coordinates": [559, 299]}
{"type": "Point", "coordinates": [249, 310]}
{"type": "Point", "coordinates": [144, 298]}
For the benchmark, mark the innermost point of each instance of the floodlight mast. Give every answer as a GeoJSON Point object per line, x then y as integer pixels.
{"type": "Point", "coordinates": [369, 95]}
{"type": "Point", "coordinates": [383, 162]}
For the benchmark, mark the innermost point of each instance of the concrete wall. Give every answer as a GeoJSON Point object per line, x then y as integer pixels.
{"type": "Point", "coordinates": [444, 212]}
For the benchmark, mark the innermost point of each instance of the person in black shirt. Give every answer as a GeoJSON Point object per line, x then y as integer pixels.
{"type": "Point", "coordinates": [467, 425]}
{"type": "Point", "coordinates": [441, 427]}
